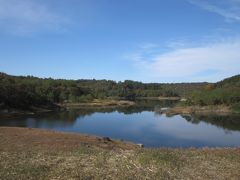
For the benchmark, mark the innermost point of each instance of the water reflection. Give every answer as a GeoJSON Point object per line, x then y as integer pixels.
{"type": "Point", "coordinates": [227, 122]}
{"type": "Point", "coordinates": [140, 124]}
{"type": "Point", "coordinates": [69, 117]}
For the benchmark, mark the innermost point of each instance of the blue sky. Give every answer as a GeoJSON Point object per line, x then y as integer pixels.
{"type": "Point", "coordinates": [143, 40]}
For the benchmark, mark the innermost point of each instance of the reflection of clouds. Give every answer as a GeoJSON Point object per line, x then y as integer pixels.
{"type": "Point", "coordinates": [137, 123]}
{"type": "Point", "coordinates": [227, 131]}
{"type": "Point", "coordinates": [179, 128]}
{"type": "Point", "coordinates": [145, 127]}
{"type": "Point", "coordinates": [148, 127]}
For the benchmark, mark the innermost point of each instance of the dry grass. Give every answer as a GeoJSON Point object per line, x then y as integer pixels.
{"type": "Point", "coordinates": [99, 104]}
{"type": "Point", "coordinates": [200, 110]}
{"type": "Point", "coordinates": [40, 154]}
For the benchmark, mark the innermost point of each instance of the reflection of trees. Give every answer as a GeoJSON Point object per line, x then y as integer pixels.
{"type": "Point", "coordinates": [192, 119]}
{"type": "Point", "coordinates": [69, 117]}
{"type": "Point", "coordinates": [146, 105]}
{"type": "Point", "coordinates": [140, 106]}
{"type": "Point", "coordinates": [59, 119]}
{"type": "Point", "coordinates": [227, 122]}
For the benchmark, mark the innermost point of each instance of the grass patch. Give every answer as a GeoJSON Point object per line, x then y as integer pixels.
{"type": "Point", "coordinates": [236, 108]}
{"type": "Point", "coordinates": [151, 156]}
{"type": "Point", "coordinates": [88, 161]}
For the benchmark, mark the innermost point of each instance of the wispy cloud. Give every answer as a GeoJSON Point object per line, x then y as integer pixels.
{"type": "Point", "coordinates": [210, 62]}
{"type": "Point", "coordinates": [148, 46]}
{"type": "Point", "coordinates": [27, 16]}
{"type": "Point", "coordinates": [229, 9]}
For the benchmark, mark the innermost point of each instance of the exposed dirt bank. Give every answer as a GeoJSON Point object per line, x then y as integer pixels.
{"type": "Point", "coordinates": [99, 104]}
{"type": "Point", "coordinates": [28, 138]}
{"type": "Point", "coordinates": [42, 154]}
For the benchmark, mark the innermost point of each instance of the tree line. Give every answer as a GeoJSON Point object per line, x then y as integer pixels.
{"type": "Point", "coordinates": [225, 92]}
{"type": "Point", "coordinates": [27, 91]}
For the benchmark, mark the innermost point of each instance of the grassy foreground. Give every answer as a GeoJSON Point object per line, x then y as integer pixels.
{"type": "Point", "coordinates": [41, 154]}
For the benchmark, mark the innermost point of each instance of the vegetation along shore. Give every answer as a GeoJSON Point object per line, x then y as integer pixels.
{"type": "Point", "coordinates": [31, 94]}
{"type": "Point", "coordinates": [27, 153]}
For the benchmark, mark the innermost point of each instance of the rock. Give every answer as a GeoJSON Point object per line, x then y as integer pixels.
{"type": "Point", "coordinates": [106, 139]}
{"type": "Point", "coordinates": [98, 139]}
{"type": "Point", "coordinates": [141, 145]}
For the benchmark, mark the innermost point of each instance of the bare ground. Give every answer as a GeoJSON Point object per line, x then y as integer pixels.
{"type": "Point", "coordinates": [99, 104]}
{"type": "Point", "coordinates": [41, 154]}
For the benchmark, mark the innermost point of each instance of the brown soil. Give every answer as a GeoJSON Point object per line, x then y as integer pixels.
{"type": "Point", "coordinates": [27, 138]}
{"type": "Point", "coordinates": [42, 154]}
{"type": "Point", "coordinates": [99, 104]}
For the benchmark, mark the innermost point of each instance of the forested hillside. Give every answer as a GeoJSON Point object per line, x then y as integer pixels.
{"type": "Point", "coordinates": [226, 92]}
{"type": "Point", "coordinates": [25, 92]}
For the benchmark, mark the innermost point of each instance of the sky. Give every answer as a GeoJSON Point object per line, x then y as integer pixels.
{"type": "Point", "coordinates": [142, 40]}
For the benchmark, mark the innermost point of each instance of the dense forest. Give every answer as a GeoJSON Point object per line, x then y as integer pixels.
{"type": "Point", "coordinates": [226, 92]}
{"type": "Point", "coordinates": [27, 91]}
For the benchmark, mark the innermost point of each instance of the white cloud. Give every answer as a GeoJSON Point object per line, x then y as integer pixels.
{"type": "Point", "coordinates": [229, 9]}
{"type": "Point", "coordinates": [210, 62]}
{"type": "Point", "coordinates": [24, 17]}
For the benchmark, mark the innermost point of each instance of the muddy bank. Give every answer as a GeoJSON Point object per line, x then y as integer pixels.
{"type": "Point", "coordinates": [99, 104]}
{"type": "Point", "coordinates": [12, 138]}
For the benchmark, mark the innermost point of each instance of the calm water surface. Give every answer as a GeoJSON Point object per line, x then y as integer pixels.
{"type": "Point", "coordinates": [141, 124]}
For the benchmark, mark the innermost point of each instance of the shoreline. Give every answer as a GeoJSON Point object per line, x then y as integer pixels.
{"type": "Point", "coordinates": [98, 104]}
{"type": "Point", "coordinates": [198, 110]}
{"type": "Point", "coordinates": [37, 135]}
{"type": "Point", "coordinates": [44, 138]}
{"type": "Point", "coordinates": [159, 98]}
{"type": "Point", "coordinates": [102, 104]}
{"type": "Point", "coordinates": [43, 154]}
{"type": "Point", "coordinates": [5, 113]}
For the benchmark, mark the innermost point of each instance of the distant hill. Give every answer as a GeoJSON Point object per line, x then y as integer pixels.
{"type": "Point", "coordinates": [225, 92]}
{"type": "Point", "coordinates": [26, 92]}
{"type": "Point", "coordinates": [229, 82]}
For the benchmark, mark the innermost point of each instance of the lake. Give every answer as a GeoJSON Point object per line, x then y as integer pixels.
{"type": "Point", "coordinates": [140, 124]}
